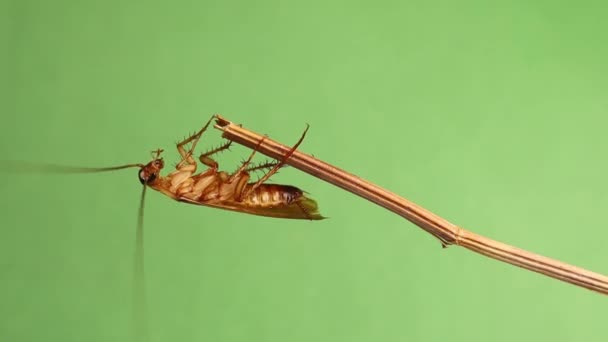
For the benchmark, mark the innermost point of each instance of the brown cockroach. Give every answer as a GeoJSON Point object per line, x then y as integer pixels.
{"type": "Point", "coordinates": [210, 187]}
{"type": "Point", "coordinates": [220, 189]}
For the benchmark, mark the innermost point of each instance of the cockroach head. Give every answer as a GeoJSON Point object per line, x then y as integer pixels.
{"type": "Point", "coordinates": [149, 172]}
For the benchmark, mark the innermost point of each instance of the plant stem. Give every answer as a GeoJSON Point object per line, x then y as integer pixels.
{"type": "Point", "coordinates": [446, 232]}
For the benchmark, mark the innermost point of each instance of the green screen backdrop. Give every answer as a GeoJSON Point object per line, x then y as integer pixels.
{"type": "Point", "coordinates": [490, 114]}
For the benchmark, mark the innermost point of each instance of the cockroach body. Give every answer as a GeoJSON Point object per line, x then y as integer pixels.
{"type": "Point", "coordinates": [220, 189]}
{"type": "Point", "coordinates": [212, 188]}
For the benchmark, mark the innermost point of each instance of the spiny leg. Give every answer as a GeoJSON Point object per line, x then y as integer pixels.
{"type": "Point", "coordinates": [276, 168]}
{"type": "Point", "coordinates": [266, 165]}
{"type": "Point", "coordinates": [206, 159]}
{"type": "Point", "coordinates": [241, 176]}
{"type": "Point", "coordinates": [243, 168]}
{"type": "Point", "coordinates": [187, 155]}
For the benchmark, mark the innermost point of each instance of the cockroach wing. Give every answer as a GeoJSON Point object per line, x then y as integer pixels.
{"type": "Point", "coordinates": [301, 208]}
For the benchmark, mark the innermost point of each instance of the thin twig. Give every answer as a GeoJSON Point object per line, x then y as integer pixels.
{"type": "Point", "coordinates": [446, 232]}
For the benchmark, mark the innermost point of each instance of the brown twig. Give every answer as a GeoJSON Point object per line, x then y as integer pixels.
{"type": "Point", "coordinates": [446, 232]}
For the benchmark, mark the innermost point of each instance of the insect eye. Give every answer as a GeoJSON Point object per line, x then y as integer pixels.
{"type": "Point", "coordinates": [141, 176]}
{"type": "Point", "coordinates": [145, 179]}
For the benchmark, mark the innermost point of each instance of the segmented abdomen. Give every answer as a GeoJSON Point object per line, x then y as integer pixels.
{"type": "Point", "coordinates": [270, 195]}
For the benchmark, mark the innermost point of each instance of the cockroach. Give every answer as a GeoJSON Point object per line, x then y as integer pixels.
{"type": "Point", "coordinates": [220, 189]}
{"type": "Point", "coordinates": [211, 187]}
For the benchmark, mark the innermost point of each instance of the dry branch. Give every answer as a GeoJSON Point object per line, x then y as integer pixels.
{"type": "Point", "coordinates": [446, 232]}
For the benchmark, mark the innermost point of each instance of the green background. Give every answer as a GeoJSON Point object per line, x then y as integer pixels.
{"type": "Point", "coordinates": [491, 114]}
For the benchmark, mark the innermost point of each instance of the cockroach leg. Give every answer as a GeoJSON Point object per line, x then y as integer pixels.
{"type": "Point", "coordinates": [276, 168]}
{"type": "Point", "coordinates": [206, 159]}
{"type": "Point", "coordinates": [187, 155]}
{"type": "Point", "coordinates": [243, 168]}
{"type": "Point", "coordinates": [262, 166]}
